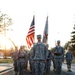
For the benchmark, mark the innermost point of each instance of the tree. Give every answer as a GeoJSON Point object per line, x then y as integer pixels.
{"type": "Point", "coordinates": [5, 22]}
{"type": "Point", "coordinates": [66, 45]}
{"type": "Point", "coordinates": [73, 39]}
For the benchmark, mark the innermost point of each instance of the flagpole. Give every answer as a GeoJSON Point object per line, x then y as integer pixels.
{"type": "Point", "coordinates": [34, 29]}
{"type": "Point", "coordinates": [34, 25]}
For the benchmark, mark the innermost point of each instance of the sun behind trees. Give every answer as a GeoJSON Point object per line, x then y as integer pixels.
{"type": "Point", "coordinates": [5, 23]}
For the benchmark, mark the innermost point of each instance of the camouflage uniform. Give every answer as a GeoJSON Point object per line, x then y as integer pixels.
{"type": "Point", "coordinates": [15, 59]}
{"type": "Point", "coordinates": [38, 56]}
{"type": "Point", "coordinates": [26, 58]}
{"type": "Point", "coordinates": [58, 58]}
{"type": "Point", "coordinates": [31, 62]}
{"type": "Point", "coordinates": [53, 62]}
{"type": "Point", "coordinates": [48, 63]}
{"type": "Point", "coordinates": [21, 61]}
{"type": "Point", "coordinates": [69, 57]}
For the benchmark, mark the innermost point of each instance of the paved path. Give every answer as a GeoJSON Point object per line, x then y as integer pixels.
{"type": "Point", "coordinates": [64, 70]}
{"type": "Point", "coordinates": [4, 67]}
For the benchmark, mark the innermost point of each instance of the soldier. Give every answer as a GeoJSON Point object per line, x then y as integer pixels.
{"type": "Point", "coordinates": [69, 57]}
{"type": "Point", "coordinates": [22, 60]}
{"type": "Point", "coordinates": [31, 62]}
{"type": "Point", "coordinates": [58, 57]}
{"type": "Point", "coordinates": [53, 60]}
{"type": "Point", "coordinates": [25, 49]}
{"type": "Point", "coordinates": [39, 56]}
{"type": "Point", "coordinates": [15, 59]}
{"type": "Point", "coordinates": [48, 63]}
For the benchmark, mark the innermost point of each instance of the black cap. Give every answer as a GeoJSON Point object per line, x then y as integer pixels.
{"type": "Point", "coordinates": [38, 36]}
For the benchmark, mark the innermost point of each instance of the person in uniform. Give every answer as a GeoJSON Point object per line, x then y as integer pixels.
{"type": "Point", "coordinates": [39, 56]}
{"type": "Point", "coordinates": [31, 63]}
{"type": "Point", "coordinates": [15, 59]}
{"type": "Point", "coordinates": [26, 58]}
{"type": "Point", "coordinates": [58, 57]}
{"type": "Point", "coordinates": [48, 63]}
{"type": "Point", "coordinates": [54, 69]}
{"type": "Point", "coordinates": [22, 60]}
{"type": "Point", "coordinates": [69, 57]}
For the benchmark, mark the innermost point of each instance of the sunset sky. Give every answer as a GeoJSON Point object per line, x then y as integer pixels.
{"type": "Point", "coordinates": [61, 20]}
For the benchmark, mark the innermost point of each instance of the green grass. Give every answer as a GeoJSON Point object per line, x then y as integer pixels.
{"type": "Point", "coordinates": [10, 60]}
{"type": "Point", "coordinates": [6, 60]}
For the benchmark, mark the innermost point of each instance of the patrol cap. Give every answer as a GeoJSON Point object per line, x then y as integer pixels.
{"type": "Point", "coordinates": [38, 36]}
{"type": "Point", "coordinates": [21, 46]}
{"type": "Point", "coordinates": [58, 41]}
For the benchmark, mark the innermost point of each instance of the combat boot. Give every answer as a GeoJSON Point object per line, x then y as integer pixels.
{"type": "Point", "coordinates": [69, 71]}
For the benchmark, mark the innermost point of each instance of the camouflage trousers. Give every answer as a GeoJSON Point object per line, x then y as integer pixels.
{"type": "Point", "coordinates": [31, 66]}
{"type": "Point", "coordinates": [47, 66]}
{"type": "Point", "coordinates": [21, 66]}
{"type": "Point", "coordinates": [39, 67]}
{"type": "Point", "coordinates": [58, 65]}
{"type": "Point", "coordinates": [53, 64]}
{"type": "Point", "coordinates": [68, 63]}
{"type": "Point", "coordinates": [15, 64]}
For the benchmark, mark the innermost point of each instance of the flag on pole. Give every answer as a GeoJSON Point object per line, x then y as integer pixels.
{"type": "Point", "coordinates": [31, 34]}
{"type": "Point", "coordinates": [45, 34]}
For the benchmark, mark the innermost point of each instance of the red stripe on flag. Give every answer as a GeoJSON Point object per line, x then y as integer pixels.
{"type": "Point", "coordinates": [30, 40]}
{"type": "Point", "coordinates": [30, 35]}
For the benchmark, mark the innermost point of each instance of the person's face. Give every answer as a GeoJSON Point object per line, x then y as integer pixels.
{"type": "Point", "coordinates": [39, 39]}
{"type": "Point", "coordinates": [21, 48]}
{"type": "Point", "coordinates": [58, 43]}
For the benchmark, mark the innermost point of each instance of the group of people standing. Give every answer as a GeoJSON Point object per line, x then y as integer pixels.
{"type": "Point", "coordinates": [40, 58]}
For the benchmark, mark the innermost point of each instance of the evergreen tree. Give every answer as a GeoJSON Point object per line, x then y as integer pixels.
{"type": "Point", "coordinates": [73, 38]}
{"type": "Point", "coordinates": [66, 45]}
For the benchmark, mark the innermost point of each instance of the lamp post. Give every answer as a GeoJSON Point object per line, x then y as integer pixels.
{"type": "Point", "coordinates": [4, 33]}
{"type": "Point", "coordinates": [5, 37]}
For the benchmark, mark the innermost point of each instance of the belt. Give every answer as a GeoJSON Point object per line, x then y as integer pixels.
{"type": "Point", "coordinates": [21, 57]}
{"type": "Point", "coordinates": [57, 54]}
{"type": "Point", "coordinates": [38, 60]}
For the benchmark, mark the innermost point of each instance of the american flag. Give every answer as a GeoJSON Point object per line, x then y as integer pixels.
{"type": "Point", "coordinates": [45, 34]}
{"type": "Point", "coordinates": [31, 34]}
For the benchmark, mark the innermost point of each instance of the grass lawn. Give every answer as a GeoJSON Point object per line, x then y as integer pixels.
{"type": "Point", "coordinates": [8, 60]}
